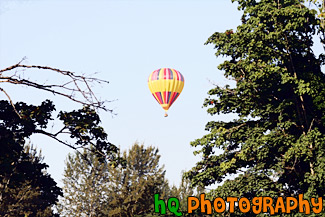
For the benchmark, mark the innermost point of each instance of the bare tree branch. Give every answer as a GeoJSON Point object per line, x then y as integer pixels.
{"type": "Point", "coordinates": [76, 148]}
{"type": "Point", "coordinates": [54, 136]}
{"type": "Point", "coordinates": [77, 88]}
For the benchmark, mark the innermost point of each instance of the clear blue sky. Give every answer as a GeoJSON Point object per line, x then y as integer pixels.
{"type": "Point", "coordinates": [124, 41]}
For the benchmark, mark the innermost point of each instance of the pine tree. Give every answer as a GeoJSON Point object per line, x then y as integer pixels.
{"type": "Point", "coordinates": [276, 146]}
{"type": "Point", "coordinates": [28, 190]}
{"type": "Point", "coordinates": [133, 186]}
{"type": "Point", "coordinates": [182, 192]}
{"type": "Point", "coordinates": [95, 188]}
{"type": "Point", "coordinates": [86, 184]}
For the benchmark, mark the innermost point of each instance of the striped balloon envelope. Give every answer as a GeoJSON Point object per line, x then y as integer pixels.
{"type": "Point", "coordinates": [166, 84]}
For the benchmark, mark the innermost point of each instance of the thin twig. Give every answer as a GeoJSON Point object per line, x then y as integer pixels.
{"type": "Point", "coordinates": [89, 98]}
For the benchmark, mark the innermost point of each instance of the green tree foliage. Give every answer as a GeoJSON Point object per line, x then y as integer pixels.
{"type": "Point", "coordinates": [81, 125]}
{"type": "Point", "coordinates": [319, 5]}
{"type": "Point", "coordinates": [276, 146]}
{"type": "Point", "coordinates": [86, 182]}
{"type": "Point", "coordinates": [182, 192]}
{"type": "Point", "coordinates": [95, 188]}
{"type": "Point", "coordinates": [134, 185]}
{"type": "Point", "coordinates": [25, 186]}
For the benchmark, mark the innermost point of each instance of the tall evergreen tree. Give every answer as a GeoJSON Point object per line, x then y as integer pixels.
{"type": "Point", "coordinates": [94, 188]}
{"type": "Point", "coordinates": [85, 186]}
{"type": "Point", "coordinates": [133, 186]}
{"type": "Point", "coordinates": [276, 146]}
{"type": "Point", "coordinates": [182, 192]}
{"type": "Point", "coordinates": [31, 191]}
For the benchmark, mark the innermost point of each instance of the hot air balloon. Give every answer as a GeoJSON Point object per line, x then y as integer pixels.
{"type": "Point", "coordinates": [166, 84]}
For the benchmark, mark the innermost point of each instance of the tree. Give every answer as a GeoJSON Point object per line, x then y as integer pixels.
{"type": "Point", "coordinates": [319, 5]}
{"type": "Point", "coordinates": [127, 189]}
{"type": "Point", "coordinates": [276, 146]}
{"type": "Point", "coordinates": [19, 172]}
{"type": "Point", "coordinates": [25, 187]}
{"type": "Point", "coordinates": [133, 186]}
{"type": "Point", "coordinates": [86, 182]}
{"type": "Point", "coordinates": [107, 190]}
{"type": "Point", "coordinates": [81, 125]}
{"type": "Point", "coordinates": [182, 192]}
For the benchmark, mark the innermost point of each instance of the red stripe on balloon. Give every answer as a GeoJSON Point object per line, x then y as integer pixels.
{"type": "Point", "coordinates": [167, 97]}
{"type": "Point", "coordinates": [154, 75]}
{"type": "Point", "coordinates": [177, 75]}
{"type": "Point", "coordinates": [175, 96]}
{"type": "Point", "coordinates": [154, 96]}
{"type": "Point", "coordinates": [158, 95]}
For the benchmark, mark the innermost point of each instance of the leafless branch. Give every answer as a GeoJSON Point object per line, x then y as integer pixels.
{"type": "Point", "coordinates": [62, 131]}
{"type": "Point", "coordinates": [77, 87]}
{"type": "Point", "coordinates": [54, 136]}
{"type": "Point", "coordinates": [231, 130]}
{"type": "Point", "coordinates": [76, 148]}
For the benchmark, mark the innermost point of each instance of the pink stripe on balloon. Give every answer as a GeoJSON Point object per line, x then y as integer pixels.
{"type": "Point", "coordinates": [166, 73]}
{"type": "Point", "coordinates": [175, 96]}
{"type": "Point", "coordinates": [177, 75]}
{"type": "Point", "coordinates": [155, 97]}
{"type": "Point", "coordinates": [158, 94]}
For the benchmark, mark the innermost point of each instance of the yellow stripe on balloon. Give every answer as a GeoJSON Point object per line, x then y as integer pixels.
{"type": "Point", "coordinates": [166, 85]}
